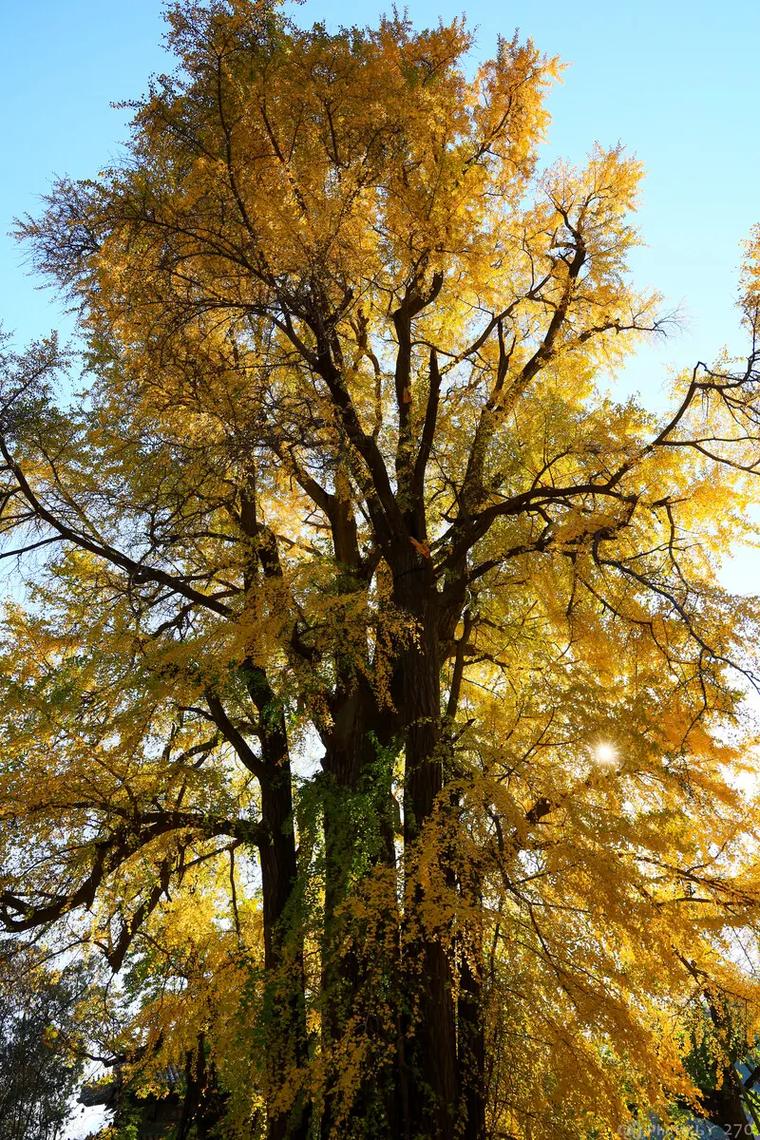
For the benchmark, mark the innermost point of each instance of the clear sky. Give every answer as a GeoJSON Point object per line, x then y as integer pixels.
{"type": "Point", "coordinates": [676, 81]}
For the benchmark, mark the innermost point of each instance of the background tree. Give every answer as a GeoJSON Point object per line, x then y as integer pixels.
{"type": "Point", "coordinates": [41, 1058]}
{"type": "Point", "coordinates": [364, 631]}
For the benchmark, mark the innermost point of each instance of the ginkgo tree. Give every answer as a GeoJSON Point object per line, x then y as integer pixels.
{"type": "Point", "coordinates": [372, 704]}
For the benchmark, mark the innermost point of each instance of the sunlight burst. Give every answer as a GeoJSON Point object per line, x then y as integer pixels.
{"type": "Point", "coordinates": [605, 754]}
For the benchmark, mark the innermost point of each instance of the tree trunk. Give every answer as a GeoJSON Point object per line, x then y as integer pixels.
{"type": "Point", "coordinates": [433, 1069]}
{"type": "Point", "coordinates": [724, 1107]}
{"type": "Point", "coordinates": [283, 961]}
{"type": "Point", "coordinates": [358, 836]}
{"type": "Point", "coordinates": [471, 1053]}
{"type": "Point", "coordinates": [284, 1004]}
{"type": "Point", "coordinates": [284, 999]}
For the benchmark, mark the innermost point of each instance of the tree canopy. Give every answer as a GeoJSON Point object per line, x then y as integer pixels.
{"type": "Point", "coordinates": [371, 702]}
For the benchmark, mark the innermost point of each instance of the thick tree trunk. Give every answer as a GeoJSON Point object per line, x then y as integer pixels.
{"type": "Point", "coordinates": [437, 1087]}
{"type": "Point", "coordinates": [433, 1071]}
{"type": "Point", "coordinates": [358, 835]}
{"type": "Point", "coordinates": [724, 1107]}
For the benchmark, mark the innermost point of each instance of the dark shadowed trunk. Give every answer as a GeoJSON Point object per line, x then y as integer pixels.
{"type": "Point", "coordinates": [284, 999]}
{"type": "Point", "coordinates": [358, 829]}
{"type": "Point", "coordinates": [358, 835]}
{"type": "Point", "coordinates": [433, 1068]}
{"type": "Point", "coordinates": [471, 1052]}
{"type": "Point", "coordinates": [286, 1042]}
{"type": "Point", "coordinates": [725, 1108]}
{"type": "Point", "coordinates": [285, 1047]}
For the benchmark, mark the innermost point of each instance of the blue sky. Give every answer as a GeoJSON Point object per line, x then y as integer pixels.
{"type": "Point", "coordinates": [676, 82]}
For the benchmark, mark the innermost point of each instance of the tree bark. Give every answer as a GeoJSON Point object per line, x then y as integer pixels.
{"type": "Point", "coordinates": [357, 802]}
{"type": "Point", "coordinates": [724, 1107]}
{"type": "Point", "coordinates": [433, 1069]}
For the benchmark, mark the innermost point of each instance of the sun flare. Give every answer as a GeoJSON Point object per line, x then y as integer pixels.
{"type": "Point", "coordinates": [605, 754]}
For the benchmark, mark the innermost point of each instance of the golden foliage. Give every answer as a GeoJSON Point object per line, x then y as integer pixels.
{"type": "Point", "coordinates": [376, 669]}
